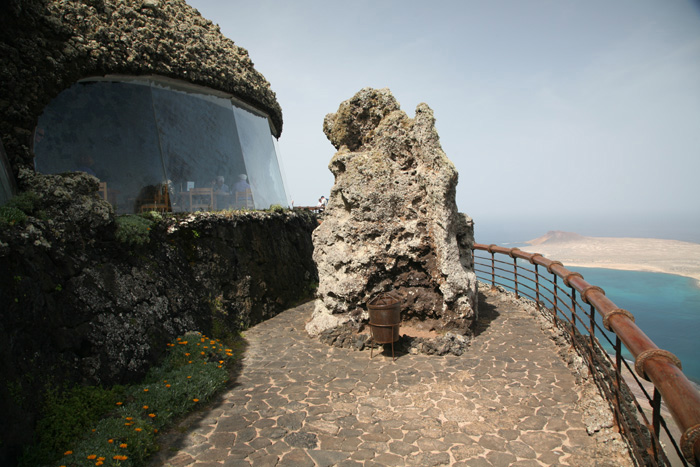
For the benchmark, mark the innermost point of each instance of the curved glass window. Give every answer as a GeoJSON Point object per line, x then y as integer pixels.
{"type": "Point", "coordinates": [163, 146]}
{"type": "Point", "coordinates": [7, 180]}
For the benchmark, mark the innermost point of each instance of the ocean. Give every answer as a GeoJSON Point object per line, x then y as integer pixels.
{"type": "Point", "coordinates": [665, 306]}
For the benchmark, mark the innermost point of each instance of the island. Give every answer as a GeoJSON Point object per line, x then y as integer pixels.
{"type": "Point", "coordinates": [631, 254]}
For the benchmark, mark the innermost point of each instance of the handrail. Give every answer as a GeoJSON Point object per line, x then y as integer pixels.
{"type": "Point", "coordinates": [653, 364]}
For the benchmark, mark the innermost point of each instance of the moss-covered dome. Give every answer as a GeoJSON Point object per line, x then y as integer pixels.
{"type": "Point", "coordinates": [48, 45]}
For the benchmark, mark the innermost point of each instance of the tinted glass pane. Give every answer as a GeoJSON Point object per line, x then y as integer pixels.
{"type": "Point", "coordinates": [200, 148]}
{"type": "Point", "coordinates": [6, 177]}
{"type": "Point", "coordinates": [105, 129]}
{"type": "Point", "coordinates": [260, 159]}
{"type": "Point", "coordinates": [154, 146]}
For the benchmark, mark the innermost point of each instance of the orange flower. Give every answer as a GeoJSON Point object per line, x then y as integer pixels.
{"type": "Point", "coordinates": [221, 362]}
{"type": "Point", "coordinates": [123, 445]}
{"type": "Point", "coordinates": [119, 403]}
{"type": "Point", "coordinates": [167, 385]}
{"type": "Point", "coordinates": [101, 458]}
{"type": "Point", "coordinates": [99, 463]}
{"type": "Point", "coordinates": [128, 423]}
{"type": "Point", "coordinates": [201, 353]}
{"type": "Point", "coordinates": [187, 354]}
{"type": "Point", "coordinates": [196, 400]}
{"type": "Point", "coordinates": [182, 342]}
{"type": "Point", "coordinates": [137, 429]}
{"type": "Point", "coordinates": [120, 458]}
{"type": "Point", "coordinates": [68, 453]}
{"type": "Point", "coordinates": [155, 430]}
{"type": "Point", "coordinates": [190, 361]}
{"type": "Point", "coordinates": [91, 456]}
{"type": "Point", "coordinates": [110, 441]}
{"type": "Point", "coordinates": [189, 377]}
{"type": "Point", "coordinates": [145, 390]}
{"type": "Point", "coordinates": [130, 418]}
{"type": "Point", "coordinates": [152, 415]}
{"type": "Point", "coordinates": [145, 407]}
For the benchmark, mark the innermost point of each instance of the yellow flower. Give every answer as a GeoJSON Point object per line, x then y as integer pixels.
{"type": "Point", "coordinates": [68, 453]}
{"type": "Point", "coordinates": [91, 456]}
{"type": "Point", "coordinates": [123, 445]}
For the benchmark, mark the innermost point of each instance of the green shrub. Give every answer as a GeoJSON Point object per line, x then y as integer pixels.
{"type": "Point", "coordinates": [18, 208]}
{"type": "Point", "coordinates": [10, 215]}
{"type": "Point", "coordinates": [66, 417]}
{"type": "Point", "coordinates": [133, 229]}
{"type": "Point", "coordinates": [122, 426]}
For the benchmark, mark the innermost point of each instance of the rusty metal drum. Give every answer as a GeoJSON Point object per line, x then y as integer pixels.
{"type": "Point", "coordinates": [384, 318]}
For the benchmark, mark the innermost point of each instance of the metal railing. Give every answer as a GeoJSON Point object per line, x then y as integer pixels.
{"type": "Point", "coordinates": [582, 328]}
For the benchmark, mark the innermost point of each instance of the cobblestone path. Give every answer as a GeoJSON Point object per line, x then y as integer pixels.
{"type": "Point", "coordinates": [510, 400]}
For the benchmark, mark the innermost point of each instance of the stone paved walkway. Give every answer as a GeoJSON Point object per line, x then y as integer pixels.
{"type": "Point", "coordinates": [510, 400]}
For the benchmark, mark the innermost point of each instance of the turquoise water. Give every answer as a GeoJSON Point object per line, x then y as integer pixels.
{"type": "Point", "coordinates": [665, 306]}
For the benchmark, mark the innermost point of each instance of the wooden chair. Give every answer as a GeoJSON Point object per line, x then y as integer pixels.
{"type": "Point", "coordinates": [161, 201]}
{"type": "Point", "coordinates": [103, 190]}
{"type": "Point", "coordinates": [244, 199]}
{"type": "Point", "coordinates": [201, 199]}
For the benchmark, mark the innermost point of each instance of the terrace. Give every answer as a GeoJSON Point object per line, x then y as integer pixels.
{"type": "Point", "coordinates": [528, 392]}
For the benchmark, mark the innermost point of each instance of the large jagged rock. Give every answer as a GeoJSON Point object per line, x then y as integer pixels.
{"type": "Point", "coordinates": [392, 221]}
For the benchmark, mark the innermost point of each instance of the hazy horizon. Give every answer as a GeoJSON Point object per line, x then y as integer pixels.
{"type": "Point", "coordinates": [559, 115]}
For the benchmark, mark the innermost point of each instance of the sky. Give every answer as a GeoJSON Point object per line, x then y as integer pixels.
{"type": "Point", "coordinates": [558, 114]}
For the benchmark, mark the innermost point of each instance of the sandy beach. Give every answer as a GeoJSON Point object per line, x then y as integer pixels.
{"type": "Point", "coordinates": [631, 254]}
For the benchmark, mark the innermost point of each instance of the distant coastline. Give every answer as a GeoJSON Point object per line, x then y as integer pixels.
{"type": "Point", "coordinates": [629, 254]}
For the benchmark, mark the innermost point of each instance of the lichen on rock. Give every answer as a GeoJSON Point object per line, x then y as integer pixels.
{"type": "Point", "coordinates": [392, 221]}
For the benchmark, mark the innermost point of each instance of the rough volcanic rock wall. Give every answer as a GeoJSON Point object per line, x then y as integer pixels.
{"type": "Point", "coordinates": [47, 45]}
{"type": "Point", "coordinates": [392, 221]}
{"type": "Point", "coordinates": [79, 305]}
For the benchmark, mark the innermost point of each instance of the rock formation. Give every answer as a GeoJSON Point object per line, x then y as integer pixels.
{"type": "Point", "coordinates": [392, 221]}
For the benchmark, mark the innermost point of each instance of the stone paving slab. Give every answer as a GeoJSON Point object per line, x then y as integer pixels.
{"type": "Point", "coordinates": [510, 400]}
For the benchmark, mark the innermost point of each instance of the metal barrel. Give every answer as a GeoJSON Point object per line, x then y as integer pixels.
{"type": "Point", "coordinates": [384, 318]}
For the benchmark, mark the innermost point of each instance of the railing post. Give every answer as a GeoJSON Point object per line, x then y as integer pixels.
{"type": "Point", "coordinates": [515, 276]}
{"type": "Point", "coordinates": [573, 316]}
{"type": "Point", "coordinates": [556, 305]}
{"type": "Point", "coordinates": [537, 286]}
{"type": "Point", "coordinates": [617, 385]}
{"type": "Point", "coordinates": [655, 422]}
{"type": "Point", "coordinates": [493, 270]}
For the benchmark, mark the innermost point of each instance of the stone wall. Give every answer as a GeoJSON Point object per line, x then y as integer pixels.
{"type": "Point", "coordinates": [87, 298]}
{"type": "Point", "coordinates": [48, 45]}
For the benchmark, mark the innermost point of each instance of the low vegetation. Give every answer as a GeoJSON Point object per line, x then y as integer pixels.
{"type": "Point", "coordinates": [92, 426]}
